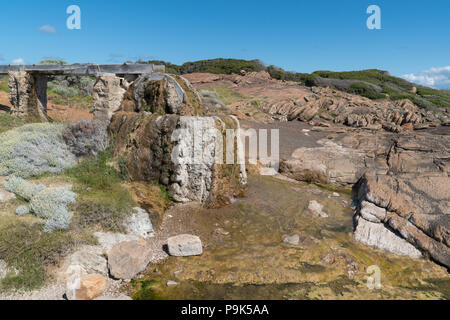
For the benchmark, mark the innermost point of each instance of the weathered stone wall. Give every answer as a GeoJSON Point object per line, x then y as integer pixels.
{"type": "Point", "coordinates": [28, 95]}
{"type": "Point", "coordinates": [180, 153]}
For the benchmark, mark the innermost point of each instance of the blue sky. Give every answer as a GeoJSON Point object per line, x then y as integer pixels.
{"type": "Point", "coordinates": [298, 35]}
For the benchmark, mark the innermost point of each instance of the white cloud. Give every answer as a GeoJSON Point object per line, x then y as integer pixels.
{"type": "Point", "coordinates": [438, 78]}
{"type": "Point", "coordinates": [18, 62]}
{"type": "Point", "coordinates": [48, 29]}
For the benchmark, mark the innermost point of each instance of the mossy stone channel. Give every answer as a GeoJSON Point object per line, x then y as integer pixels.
{"type": "Point", "coordinates": [246, 258]}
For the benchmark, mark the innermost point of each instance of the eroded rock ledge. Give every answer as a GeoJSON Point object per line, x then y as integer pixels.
{"type": "Point", "coordinates": [414, 211]}
{"type": "Point", "coordinates": [402, 184]}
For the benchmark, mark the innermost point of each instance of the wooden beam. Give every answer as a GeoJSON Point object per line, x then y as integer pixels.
{"type": "Point", "coordinates": [83, 69]}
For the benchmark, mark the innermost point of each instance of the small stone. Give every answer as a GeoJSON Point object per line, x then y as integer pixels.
{"type": "Point", "coordinates": [172, 283]}
{"type": "Point", "coordinates": [22, 210]}
{"type": "Point", "coordinates": [335, 195]}
{"type": "Point", "coordinates": [317, 209]}
{"type": "Point", "coordinates": [185, 245]}
{"type": "Point", "coordinates": [294, 239]}
{"type": "Point", "coordinates": [221, 231]}
{"type": "Point", "coordinates": [178, 272]}
{"type": "Point", "coordinates": [127, 259]}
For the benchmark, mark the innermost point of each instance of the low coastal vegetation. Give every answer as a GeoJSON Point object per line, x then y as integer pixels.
{"type": "Point", "coordinates": [4, 84]}
{"type": "Point", "coordinates": [56, 209]}
{"type": "Point", "coordinates": [373, 84]}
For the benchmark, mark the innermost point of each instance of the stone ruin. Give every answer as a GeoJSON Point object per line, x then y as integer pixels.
{"type": "Point", "coordinates": [143, 109]}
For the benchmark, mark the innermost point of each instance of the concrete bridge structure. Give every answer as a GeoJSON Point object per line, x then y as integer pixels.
{"type": "Point", "coordinates": [28, 85]}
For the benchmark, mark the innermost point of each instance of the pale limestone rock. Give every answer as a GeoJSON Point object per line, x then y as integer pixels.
{"type": "Point", "coordinates": [294, 239]}
{"type": "Point", "coordinates": [185, 245]}
{"type": "Point", "coordinates": [378, 236]}
{"type": "Point", "coordinates": [139, 224]}
{"type": "Point", "coordinates": [372, 213]}
{"type": "Point", "coordinates": [89, 259]}
{"type": "Point", "coordinates": [193, 158]}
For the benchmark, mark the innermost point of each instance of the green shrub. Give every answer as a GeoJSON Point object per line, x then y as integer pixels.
{"type": "Point", "coordinates": [102, 200]}
{"type": "Point", "coordinates": [22, 188]}
{"type": "Point", "coordinates": [95, 173]}
{"type": "Point", "coordinates": [96, 213]}
{"type": "Point", "coordinates": [365, 91]}
{"type": "Point", "coordinates": [217, 66]}
{"type": "Point", "coordinates": [52, 62]}
{"type": "Point", "coordinates": [46, 203]}
{"type": "Point", "coordinates": [64, 92]}
{"type": "Point", "coordinates": [29, 250]}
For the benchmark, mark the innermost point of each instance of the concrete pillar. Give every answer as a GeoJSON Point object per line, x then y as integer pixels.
{"type": "Point", "coordinates": [108, 97]}
{"type": "Point", "coordinates": [28, 94]}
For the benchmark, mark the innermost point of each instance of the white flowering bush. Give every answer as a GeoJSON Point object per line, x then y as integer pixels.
{"type": "Point", "coordinates": [33, 150]}
{"type": "Point", "coordinates": [23, 188]}
{"type": "Point", "coordinates": [51, 204]}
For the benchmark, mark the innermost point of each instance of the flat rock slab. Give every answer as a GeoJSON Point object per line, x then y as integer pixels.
{"type": "Point", "coordinates": [127, 259]}
{"type": "Point", "coordinates": [293, 239]}
{"type": "Point", "coordinates": [185, 245]}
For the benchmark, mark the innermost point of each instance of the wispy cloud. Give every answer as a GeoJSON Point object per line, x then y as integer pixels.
{"type": "Point", "coordinates": [47, 29]}
{"type": "Point", "coordinates": [438, 78]}
{"type": "Point", "coordinates": [116, 57]}
{"type": "Point", "coordinates": [18, 62]}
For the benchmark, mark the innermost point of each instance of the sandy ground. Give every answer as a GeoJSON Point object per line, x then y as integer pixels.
{"type": "Point", "coordinates": [56, 112]}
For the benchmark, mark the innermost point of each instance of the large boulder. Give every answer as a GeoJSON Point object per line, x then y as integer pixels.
{"type": "Point", "coordinates": [128, 259]}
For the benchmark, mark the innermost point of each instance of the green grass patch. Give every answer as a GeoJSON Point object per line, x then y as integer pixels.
{"type": "Point", "coordinates": [102, 199]}
{"type": "Point", "coordinates": [4, 84]}
{"type": "Point", "coordinates": [8, 122]}
{"type": "Point", "coordinates": [227, 96]}
{"type": "Point", "coordinates": [77, 100]}
{"type": "Point", "coordinates": [30, 251]}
